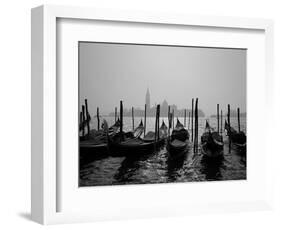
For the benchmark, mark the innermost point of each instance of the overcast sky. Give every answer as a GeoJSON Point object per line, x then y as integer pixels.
{"type": "Point", "coordinates": [109, 73]}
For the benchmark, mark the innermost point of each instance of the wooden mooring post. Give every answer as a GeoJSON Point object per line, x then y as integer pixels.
{"type": "Point", "coordinates": [173, 119]}
{"type": "Point", "coordinates": [188, 121]}
{"type": "Point", "coordinates": [121, 121]}
{"type": "Point", "coordinates": [169, 120]}
{"type": "Point", "coordinates": [228, 115]}
{"type": "Point", "coordinates": [98, 117]}
{"type": "Point", "coordinates": [184, 117]}
{"type": "Point", "coordinates": [169, 110]}
{"type": "Point", "coordinates": [228, 121]}
{"type": "Point", "coordinates": [195, 148]}
{"type": "Point", "coordinates": [192, 108]}
{"type": "Point", "coordinates": [155, 127]}
{"type": "Point", "coordinates": [158, 122]}
{"type": "Point", "coordinates": [144, 120]}
{"type": "Point", "coordinates": [156, 134]}
{"type": "Point", "coordinates": [218, 117]}
{"type": "Point", "coordinates": [87, 117]}
{"type": "Point", "coordinates": [83, 120]}
{"type": "Point", "coordinates": [133, 119]}
{"type": "Point", "coordinates": [238, 117]}
{"type": "Point", "coordinates": [221, 122]}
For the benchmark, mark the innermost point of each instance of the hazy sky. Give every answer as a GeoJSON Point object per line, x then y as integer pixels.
{"type": "Point", "coordinates": [109, 73]}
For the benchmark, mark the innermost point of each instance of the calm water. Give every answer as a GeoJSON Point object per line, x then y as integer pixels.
{"type": "Point", "coordinates": [159, 168]}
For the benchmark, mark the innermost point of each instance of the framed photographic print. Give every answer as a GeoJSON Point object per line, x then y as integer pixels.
{"type": "Point", "coordinates": [144, 114]}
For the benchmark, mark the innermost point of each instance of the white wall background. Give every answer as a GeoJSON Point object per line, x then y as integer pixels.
{"type": "Point", "coordinates": [15, 112]}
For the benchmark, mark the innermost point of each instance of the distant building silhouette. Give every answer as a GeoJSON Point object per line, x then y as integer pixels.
{"type": "Point", "coordinates": [150, 110]}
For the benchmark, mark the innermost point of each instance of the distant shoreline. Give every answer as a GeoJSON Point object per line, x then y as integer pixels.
{"type": "Point", "coordinates": [231, 115]}
{"type": "Point", "coordinates": [146, 116]}
{"type": "Point", "coordinates": [212, 116]}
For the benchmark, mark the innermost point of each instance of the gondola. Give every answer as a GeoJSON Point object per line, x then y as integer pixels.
{"type": "Point", "coordinates": [238, 139]}
{"type": "Point", "coordinates": [163, 130]}
{"type": "Point", "coordinates": [132, 147]}
{"type": "Point", "coordinates": [95, 146]}
{"type": "Point", "coordinates": [178, 142]}
{"type": "Point", "coordinates": [99, 135]}
{"type": "Point", "coordinates": [212, 142]}
{"type": "Point", "coordinates": [126, 144]}
{"type": "Point", "coordinates": [163, 133]}
{"type": "Point", "coordinates": [114, 128]}
{"type": "Point", "coordinates": [137, 132]}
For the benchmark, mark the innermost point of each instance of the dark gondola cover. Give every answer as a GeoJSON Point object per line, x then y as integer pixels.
{"type": "Point", "coordinates": [179, 132]}
{"type": "Point", "coordinates": [163, 133]}
{"type": "Point", "coordinates": [96, 146]}
{"type": "Point", "coordinates": [178, 142]}
{"type": "Point", "coordinates": [212, 142]}
{"type": "Point", "coordinates": [131, 144]}
{"type": "Point", "coordinates": [238, 139]}
{"type": "Point", "coordinates": [131, 147]}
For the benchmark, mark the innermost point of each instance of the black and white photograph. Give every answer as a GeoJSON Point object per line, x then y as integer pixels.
{"type": "Point", "coordinates": [153, 114]}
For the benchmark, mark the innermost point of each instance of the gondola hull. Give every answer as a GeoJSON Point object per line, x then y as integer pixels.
{"type": "Point", "coordinates": [238, 139]}
{"type": "Point", "coordinates": [177, 143]}
{"type": "Point", "coordinates": [176, 148]}
{"type": "Point", "coordinates": [211, 151]}
{"type": "Point", "coordinates": [240, 148]}
{"type": "Point", "coordinates": [211, 143]}
{"type": "Point", "coordinates": [133, 147]}
{"type": "Point", "coordinates": [92, 151]}
{"type": "Point", "coordinates": [181, 135]}
{"type": "Point", "coordinates": [95, 146]}
{"type": "Point", "coordinates": [150, 137]}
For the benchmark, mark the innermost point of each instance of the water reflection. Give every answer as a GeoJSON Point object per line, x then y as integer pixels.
{"type": "Point", "coordinates": [174, 165]}
{"type": "Point", "coordinates": [129, 168]}
{"type": "Point", "coordinates": [211, 167]}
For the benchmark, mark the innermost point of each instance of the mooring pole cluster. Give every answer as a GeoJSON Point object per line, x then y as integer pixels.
{"type": "Point", "coordinates": [87, 115]}
{"type": "Point", "coordinates": [193, 121]}
{"type": "Point", "coordinates": [85, 119]}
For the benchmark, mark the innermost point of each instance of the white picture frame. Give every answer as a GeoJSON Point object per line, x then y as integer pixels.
{"type": "Point", "coordinates": [45, 90]}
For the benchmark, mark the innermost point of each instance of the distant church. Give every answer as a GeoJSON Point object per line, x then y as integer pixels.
{"type": "Point", "coordinates": [151, 109]}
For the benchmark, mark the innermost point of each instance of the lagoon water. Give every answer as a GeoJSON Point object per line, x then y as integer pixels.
{"type": "Point", "coordinates": [157, 167]}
